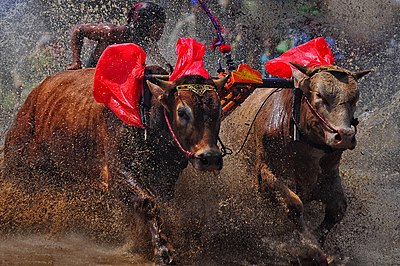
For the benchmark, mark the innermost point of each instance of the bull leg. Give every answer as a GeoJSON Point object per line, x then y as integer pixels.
{"type": "Point", "coordinates": [134, 192]}
{"type": "Point", "coordinates": [136, 195]}
{"type": "Point", "coordinates": [162, 248]}
{"type": "Point", "coordinates": [334, 213]}
{"type": "Point", "coordinates": [332, 195]}
{"type": "Point", "coordinates": [144, 202]}
{"type": "Point", "coordinates": [285, 196]}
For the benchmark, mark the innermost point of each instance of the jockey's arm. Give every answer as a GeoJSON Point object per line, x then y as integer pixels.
{"type": "Point", "coordinates": [105, 32]}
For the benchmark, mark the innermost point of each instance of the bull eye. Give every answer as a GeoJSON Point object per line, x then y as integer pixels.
{"type": "Point", "coordinates": [183, 115]}
{"type": "Point", "coordinates": [319, 96]}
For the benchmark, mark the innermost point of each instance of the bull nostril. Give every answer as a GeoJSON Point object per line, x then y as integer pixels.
{"type": "Point", "coordinates": [204, 161]}
{"type": "Point", "coordinates": [219, 161]}
{"type": "Point", "coordinates": [338, 138]}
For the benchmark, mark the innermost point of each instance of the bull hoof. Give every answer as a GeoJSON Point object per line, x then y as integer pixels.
{"type": "Point", "coordinates": [163, 256]}
{"type": "Point", "coordinates": [321, 235]}
{"type": "Point", "coordinates": [330, 260]}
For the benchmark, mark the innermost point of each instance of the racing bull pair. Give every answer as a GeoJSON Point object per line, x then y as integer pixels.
{"type": "Point", "coordinates": [62, 131]}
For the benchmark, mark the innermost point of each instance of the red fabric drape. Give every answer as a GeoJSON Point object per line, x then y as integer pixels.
{"type": "Point", "coordinates": [118, 81]}
{"type": "Point", "coordinates": [190, 59]}
{"type": "Point", "coordinates": [313, 53]}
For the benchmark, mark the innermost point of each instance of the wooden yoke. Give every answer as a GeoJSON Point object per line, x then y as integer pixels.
{"type": "Point", "coordinates": [240, 85]}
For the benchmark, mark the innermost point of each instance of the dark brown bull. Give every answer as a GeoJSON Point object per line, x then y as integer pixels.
{"type": "Point", "coordinates": [62, 135]}
{"type": "Point", "coordinates": [293, 172]}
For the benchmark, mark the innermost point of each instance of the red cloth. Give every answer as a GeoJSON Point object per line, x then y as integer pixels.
{"type": "Point", "coordinates": [312, 53]}
{"type": "Point", "coordinates": [225, 48]}
{"type": "Point", "coordinates": [190, 59]}
{"type": "Point", "coordinates": [118, 81]}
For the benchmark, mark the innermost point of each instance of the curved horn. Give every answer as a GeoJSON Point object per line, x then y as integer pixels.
{"type": "Point", "coordinates": [303, 69]}
{"type": "Point", "coordinates": [165, 85]}
{"type": "Point", "coordinates": [219, 83]}
{"type": "Point", "coordinates": [358, 75]}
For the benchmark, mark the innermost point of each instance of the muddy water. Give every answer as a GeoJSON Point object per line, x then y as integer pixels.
{"type": "Point", "coordinates": [71, 250]}
{"type": "Point", "coordinates": [69, 227]}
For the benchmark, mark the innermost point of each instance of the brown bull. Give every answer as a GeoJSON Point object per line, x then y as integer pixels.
{"type": "Point", "coordinates": [293, 172]}
{"type": "Point", "coordinates": [62, 135]}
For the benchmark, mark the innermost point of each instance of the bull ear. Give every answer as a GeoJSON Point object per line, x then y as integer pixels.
{"type": "Point", "coordinates": [220, 83]}
{"type": "Point", "coordinates": [301, 80]}
{"type": "Point", "coordinates": [359, 75]}
{"type": "Point", "coordinates": [159, 93]}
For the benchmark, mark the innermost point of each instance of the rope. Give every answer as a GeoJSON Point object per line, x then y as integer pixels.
{"type": "Point", "coordinates": [254, 119]}
{"type": "Point", "coordinates": [189, 154]}
{"type": "Point", "coordinates": [319, 116]}
{"type": "Point", "coordinates": [225, 150]}
{"type": "Point", "coordinates": [214, 20]}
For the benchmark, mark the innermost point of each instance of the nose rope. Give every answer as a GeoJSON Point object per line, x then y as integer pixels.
{"type": "Point", "coordinates": [188, 154]}
{"type": "Point", "coordinates": [319, 116]}
{"type": "Point", "coordinates": [224, 150]}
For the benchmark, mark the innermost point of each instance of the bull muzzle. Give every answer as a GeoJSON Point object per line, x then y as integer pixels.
{"type": "Point", "coordinates": [343, 139]}
{"type": "Point", "coordinates": [209, 159]}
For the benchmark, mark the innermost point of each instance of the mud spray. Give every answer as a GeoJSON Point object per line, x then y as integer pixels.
{"type": "Point", "coordinates": [213, 219]}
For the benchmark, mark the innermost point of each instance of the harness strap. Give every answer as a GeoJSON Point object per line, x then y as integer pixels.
{"type": "Point", "coordinates": [305, 139]}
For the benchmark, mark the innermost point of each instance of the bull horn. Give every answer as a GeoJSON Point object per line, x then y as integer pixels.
{"type": "Point", "coordinates": [164, 84]}
{"type": "Point", "coordinates": [358, 75]}
{"type": "Point", "coordinates": [158, 76]}
{"type": "Point", "coordinates": [303, 69]}
{"type": "Point", "coordinates": [220, 83]}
